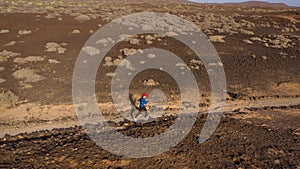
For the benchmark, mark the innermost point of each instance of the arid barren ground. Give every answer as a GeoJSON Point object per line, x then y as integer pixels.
{"type": "Point", "coordinates": [259, 49]}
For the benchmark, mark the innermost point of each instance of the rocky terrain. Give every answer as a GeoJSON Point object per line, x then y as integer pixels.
{"type": "Point", "coordinates": [259, 49]}
{"type": "Point", "coordinates": [258, 4]}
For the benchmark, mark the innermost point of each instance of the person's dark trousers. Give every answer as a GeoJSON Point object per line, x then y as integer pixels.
{"type": "Point", "coordinates": [142, 109]}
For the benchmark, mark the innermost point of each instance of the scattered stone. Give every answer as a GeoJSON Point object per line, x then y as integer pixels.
{"type": "Point", "coordinates": [150, 82]}
{"type": "Point", "coordinates": [248, 41]}
{"type": "Point", "coordinates": [195, 64]}
{"type": "Point", "coordinates": [151, 55]}
{"type": "Point", "coordinates": [180, 65]}
{"type": "Point", "coordinates": [145, 22]}
{"type": "Point", "coordinates": [29, 59]}
{"type": "Point", "coordinates": [107, 59]}
{"type": "Point", "coordinates": [110, 74]}
{"type": "Point", "coordinates": [24, 32]}
{"type": "Point", "coordinates": [2, 68]}
{"type": "Point", "coordinates": [2, 31]}
{"type": "Point", "coordinates": [292, 57]}
{"type": "Point", "coordinates": [28, 75]}
{"type": "Point", "coordinates": [287, 30]}
{"type": "Point", "coordinates": [199, 62]}
{"type": "Point", "coordinates": [283, 54]}
{"type": "Point", "coordinates": [256, 39]}
{"type": "Point", "coordinates": [2, 80]}
{"type": "Point", "coordinates": [171, 34]}
{"type": "Point", "coordinates": [277, 162]}
{"type": "Point", "coordinates": [246, 32]}
{"type": "Point", "coordinates": [266, 45]}
{"type": "Point", "coordinates": [134, 41]}
{"type": "Point", "coordinates": [195, 67]}
{"type": "Point", "coordinates": [116, 62]}
{"type": "Point", "coordinates": [105, 41]}
{"type": "Point", "coordinates": [127, 51]}
{"type": "Point", "coordinates": [11, 43]}
{"type": "Point", "coordinates": [275, 41]}
{"type": "Point", "coordinates": [52, 15]}
{"type": "Point", "coordinates": [149, 37]}
{"type": "Point", "coordinates": [51, 49]}
{"type": "Point", "coordinates": [141, 51]}
{"type": "Point", "coordinates": [61, 50]}
{"type": "Point", "coordinates": [3, 59]}
{"type": "Point", "coordinates": [217, 38]}
{"type": "Point", "coordinates": [264, 57]}
{"type": "Point", "coordinates": [75, 31]}
{"type": "Point", "coordinates": [55, 47]}
{"type": "Point", "coordinates": [290, 28]}
{"type": "Point", "coordinates": [52, 45]}
{"type": "Point", "coordinates": [8, 54]}
{"type": "Point", "coordinates": [126, 37]}
{"type": "Point", "coordinates": [125, 63]}
{"type": "Point", "coordinates": [53, 61]}
{"type": "Point", "coordinates": [102, 42]}
{"type": "Point", "coordinates": [280, 42]}
{"type": "Point", "coordinates": [149, 42]}
{"type": "Point", "coordinates": [265, 25]}
{"type": "Point", "coordinates": [82, 18]}
{"type": "Point", "coordinates": [212, 23]}
{"type": "Point", "coordinates": [91, 50]}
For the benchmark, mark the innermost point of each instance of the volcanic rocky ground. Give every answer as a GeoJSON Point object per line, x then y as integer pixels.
{"type": "Point", "coordinates": [259, 49]}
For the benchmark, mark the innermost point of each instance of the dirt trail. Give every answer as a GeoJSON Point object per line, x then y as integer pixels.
{"type": "Point", "coordinates": [32, 117]}
{"type": "Point", "coordinates": [235, 144]}
{"type": "Point", "coordinates": [292, 19]}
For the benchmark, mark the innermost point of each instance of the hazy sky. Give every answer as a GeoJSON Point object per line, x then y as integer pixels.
{"type": "Point", "coordinates": [288, 2]}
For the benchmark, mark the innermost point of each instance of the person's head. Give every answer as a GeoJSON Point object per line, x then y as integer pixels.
{"type": "Point", "coordinates": [144, 95]}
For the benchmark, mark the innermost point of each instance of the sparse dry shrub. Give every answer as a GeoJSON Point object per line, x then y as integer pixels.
{"type": "Point", "coordinates": [8, 99]}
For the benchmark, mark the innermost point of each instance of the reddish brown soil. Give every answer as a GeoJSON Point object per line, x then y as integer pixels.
{"type": "Point", "coordinates": [248, 137]}
{"type": "Point", "coordinates": [234, 144]}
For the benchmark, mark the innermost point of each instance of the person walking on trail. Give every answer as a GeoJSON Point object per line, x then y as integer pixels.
{"type": "Point", "coordinates": [142, 107]}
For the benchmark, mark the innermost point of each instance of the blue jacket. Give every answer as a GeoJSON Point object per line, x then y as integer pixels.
{"type": "Point", "coordinates": [142, 101]}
